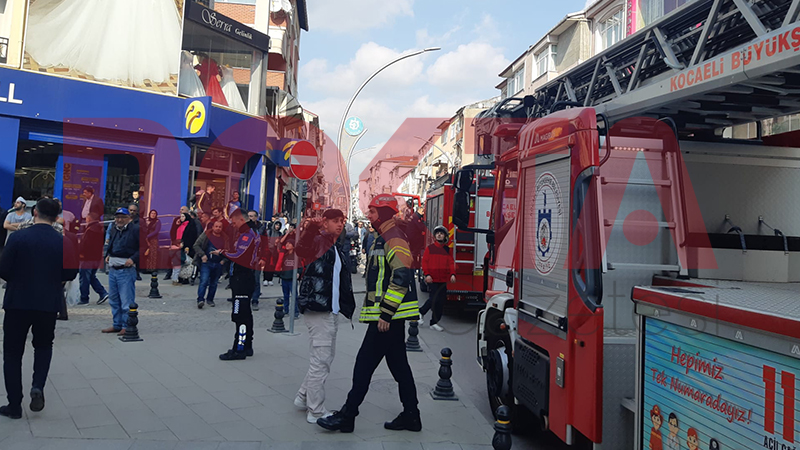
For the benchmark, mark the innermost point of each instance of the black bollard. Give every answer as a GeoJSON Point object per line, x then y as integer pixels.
{"type": "Point", "coordinates": [444, 387]}
{"type": "Point", "coordinates": [154, 286]}
{"type": "Point", "coordinates": [412, 343]}
{"type": "Point", "coordinates": [132, 330]}
{"type": "Point", "coordinates": [278, 325]}
{"type": "Point", "coordinates": [502, 429]}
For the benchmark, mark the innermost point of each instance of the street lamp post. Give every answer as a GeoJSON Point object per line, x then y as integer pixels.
{"type": "Point", "coordinates": [353, 98]}
{"type": "Point", "coordinates": [438, 148]}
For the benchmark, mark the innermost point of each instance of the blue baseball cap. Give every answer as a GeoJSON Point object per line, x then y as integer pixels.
{"type": "Point", "coordinates": [123, 211]}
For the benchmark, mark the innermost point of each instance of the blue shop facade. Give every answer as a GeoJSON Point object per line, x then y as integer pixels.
{"type": "Point", "coordinates": [59, 135]}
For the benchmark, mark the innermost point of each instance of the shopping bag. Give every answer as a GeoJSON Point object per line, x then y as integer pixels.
{"type": "Point", "coordinates": [73, 292]}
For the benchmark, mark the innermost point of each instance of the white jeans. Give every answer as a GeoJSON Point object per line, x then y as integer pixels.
{"type": "Point", "coordinates": [322, 328]}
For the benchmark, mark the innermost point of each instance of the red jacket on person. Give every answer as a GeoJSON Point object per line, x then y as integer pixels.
{"type": "Point", "coordinates": [438, 263]}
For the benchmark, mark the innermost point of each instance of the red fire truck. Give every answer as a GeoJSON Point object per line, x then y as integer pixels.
{"type": "Point", "coordinates": [468, 250]}
{"type": "Point", "coordinates": [628, 185]}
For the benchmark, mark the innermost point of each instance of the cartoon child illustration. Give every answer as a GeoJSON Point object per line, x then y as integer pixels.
{"type": "Point", "coordinates": [692, 441]}
{"type": "Point", "coordinates": [656, 440]}
{"type": "Point", "coordinates": [713, 445]}
{"type": "Point", "coordinates": [672, 439]}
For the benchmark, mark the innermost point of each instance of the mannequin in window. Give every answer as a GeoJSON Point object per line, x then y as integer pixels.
{"type": "Point", "coordinates": [190, 84]}
{"type": "Point", "coordinates": [209, 76]}
{"type": "Point", "coordinates": [230, 90]}
{"type": "Point", "coordinates": [122, 41]}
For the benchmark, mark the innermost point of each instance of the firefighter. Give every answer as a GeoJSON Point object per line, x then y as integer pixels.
{"type": "Point", "coordinates": [391, 300]}
{"type": "Point", "coordinates": [245, 260]}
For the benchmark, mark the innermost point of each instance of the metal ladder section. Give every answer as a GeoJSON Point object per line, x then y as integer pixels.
{"type": "Point", "coordinates": [674, 214]}
{"type": "Point", "coordinates": [626, 78]}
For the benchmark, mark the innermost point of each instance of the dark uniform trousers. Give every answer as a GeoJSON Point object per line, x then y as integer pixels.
{"type": "Point", "coordinates": [391, 345]}
{"type": "Point", "coordinates": [16, 324]}
{"type": "Point", "coordinates": [242, 286]}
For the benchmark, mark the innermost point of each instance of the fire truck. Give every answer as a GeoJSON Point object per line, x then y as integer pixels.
{"type": "Point", "coordinates": [468, 250]}
{"type": "Point", "coordinates": [643, 266]}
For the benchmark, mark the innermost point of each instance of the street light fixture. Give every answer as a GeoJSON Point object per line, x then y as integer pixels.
{"type": "Point", "coordinates": [358, 91]}
{"type": "Point", "coordinates": [438, 148]}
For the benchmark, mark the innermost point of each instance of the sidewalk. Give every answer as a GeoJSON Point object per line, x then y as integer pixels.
{"type": "Point", "coordinates": [172, 392]}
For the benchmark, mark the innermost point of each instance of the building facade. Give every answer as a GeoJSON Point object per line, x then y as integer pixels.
{"type": "Point", "coordinates": [154, 117]}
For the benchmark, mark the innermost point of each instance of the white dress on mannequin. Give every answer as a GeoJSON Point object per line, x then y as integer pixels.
{"type": "Point", "coordinates": [117, 40]}
{"type": "Point", "coordinates": [230, 90]}
{"type": "Point", "coordinates": [189, 82]}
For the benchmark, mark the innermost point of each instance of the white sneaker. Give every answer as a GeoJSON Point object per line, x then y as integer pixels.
{"type": "Point", "coordinates": [312, 418]}
{"type": "Point", "coordinates": [266, 283]}
{"type": "Point", "coordinates": [436, 327]}
{"type": "Point", "coordinates": [300, 402]}
{"type": "Point", "coordinates": [271, 283]}
{"type": "Point", "coordinates": [421, 324]}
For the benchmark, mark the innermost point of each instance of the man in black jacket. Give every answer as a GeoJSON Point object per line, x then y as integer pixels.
{"type": "Point", "coordinates": [325, 291]}
{"type": "Point", "coordinates": [122, 256]}
{"type": "Point", "coordinates": [36, 262]}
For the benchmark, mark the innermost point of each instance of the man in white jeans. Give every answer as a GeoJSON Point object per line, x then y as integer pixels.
{"type": "Point", "coordinates": [326, 290]}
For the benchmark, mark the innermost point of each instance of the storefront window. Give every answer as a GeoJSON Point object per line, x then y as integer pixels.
{"type": "Point", "coordinates": [217, 60]}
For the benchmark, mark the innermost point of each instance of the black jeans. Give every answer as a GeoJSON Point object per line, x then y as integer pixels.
{"type": "Point", "coordinates": [16, 324]}
{"type": "Point", "coordinates": [391, 345]}
{"type": "Point", "coordinates": [242, 285]}
{"type": "Point", "coordinates": [437, 294]}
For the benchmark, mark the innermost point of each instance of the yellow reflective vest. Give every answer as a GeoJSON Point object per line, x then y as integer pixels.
{"type": "Point", "coordinates": [389, 278]}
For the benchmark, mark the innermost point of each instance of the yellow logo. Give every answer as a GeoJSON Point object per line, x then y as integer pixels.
{"type": "Point", "coordinates": [195, 116]}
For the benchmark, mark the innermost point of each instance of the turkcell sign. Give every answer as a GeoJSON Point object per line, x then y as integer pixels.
{"type": "Point", "coordinates": [705, 392]}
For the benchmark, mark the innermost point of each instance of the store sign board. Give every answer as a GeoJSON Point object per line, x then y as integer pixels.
{"type": "Point", "coordinates": [195, 117]}
{"type": "Point", "coordinates": [227, 26]}
{"type": "Point", "coordinates": [79, 174]}
{"type": "Point", "coordinates": [705, 392]}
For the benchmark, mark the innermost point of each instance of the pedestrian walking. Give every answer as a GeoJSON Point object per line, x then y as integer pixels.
{"type": "Point", "coordinates": [288, 261]}
{"type": "Point", "coordinates": [210, 263]}
{"type": "Point", "coordinates": [233, 204]}
{"type": "Point", "coordinates": [91, 257]}
{"type": "Point", "coordinates": [174, 249]}
{"type": "Point", "coordinates": [18, 216]}
{"type": "Point", "coordinates": [366, 246]}
{"type": "Point", "coordinates": [244, 257]}
{"type": "Point", "coordinates": [205, 198]}
{"type": "Point", "coordinates": [391, 300]}
{"type": "Point", "coordinates": [439, 267]}
{"type": "Point", "coordinates": [273, 235]}
{"type": "Point", "coordinates": [153, 230]}
{"type": "Point", "coordinates": [326, 290]}
{"type": "Point", "coordinates": [91, 203]}
{"type": "Point", "coordinates": [32, 301]}
{"type": "Point", "coordinates": [122, 254]}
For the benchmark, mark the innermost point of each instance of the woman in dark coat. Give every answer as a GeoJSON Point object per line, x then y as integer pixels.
{"type": "Point", "coordinates": [189, 236]}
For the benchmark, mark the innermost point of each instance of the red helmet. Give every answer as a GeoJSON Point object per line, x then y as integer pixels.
{"type": "Point", "coordinates": [385, 201]}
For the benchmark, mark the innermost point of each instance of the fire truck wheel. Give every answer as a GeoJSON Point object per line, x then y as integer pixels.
{"type": "Point", "coordinates": [497, 379]}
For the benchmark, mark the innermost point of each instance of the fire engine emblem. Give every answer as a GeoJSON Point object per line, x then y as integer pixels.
{"type": "Point", "coordinates": [549, 222]}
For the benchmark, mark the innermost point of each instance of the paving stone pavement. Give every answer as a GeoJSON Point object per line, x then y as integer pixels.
{"type": "Point", "coordinates": [172, 392]}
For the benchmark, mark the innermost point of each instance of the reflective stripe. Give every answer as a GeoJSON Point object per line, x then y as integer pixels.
{"type": "Point", "coordinates": [394, 295]}
{"type": "Point", "coordinates": [381, 274]}
{"type": "Point", "coordinates": [373, 313]}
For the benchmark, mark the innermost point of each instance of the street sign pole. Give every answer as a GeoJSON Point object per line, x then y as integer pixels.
{"type": "Point", "coordinates": [293, 297]}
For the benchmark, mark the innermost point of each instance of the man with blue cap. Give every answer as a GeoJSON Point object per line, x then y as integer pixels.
{"type": "Point", "coordinates": [122, 256]}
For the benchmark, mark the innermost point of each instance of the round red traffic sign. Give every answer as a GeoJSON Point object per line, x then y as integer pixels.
{"type": "Point", "coordinates": [303, 160]}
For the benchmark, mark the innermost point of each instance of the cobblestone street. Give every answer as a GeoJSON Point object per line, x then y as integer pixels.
{"type": "Point", "coordinates": [171, 391]}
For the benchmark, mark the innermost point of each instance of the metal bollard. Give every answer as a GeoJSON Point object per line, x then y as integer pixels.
{"type": "Point", "coordinates": [154, 286]}
{"type": "Point", "coordinates": [132, 330]}
{"type": "Point", "coordinates": [278, 325]}
{"type": "Point", "coordinates": [502, 429]}
{"type": "Point", "coordinates": [444, 387]}
{"type": "Point", "coordinates": [412, 343]}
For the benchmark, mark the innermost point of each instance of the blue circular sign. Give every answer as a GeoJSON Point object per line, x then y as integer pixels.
{"type": "Point", "coordinates": [353, 126]}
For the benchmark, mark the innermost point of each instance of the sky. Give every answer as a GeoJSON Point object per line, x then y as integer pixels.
{"type": "Point", "coordinates": [349, 39]}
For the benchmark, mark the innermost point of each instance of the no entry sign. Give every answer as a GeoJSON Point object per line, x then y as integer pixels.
{"type": "Point", "coordinates": [303, 160]}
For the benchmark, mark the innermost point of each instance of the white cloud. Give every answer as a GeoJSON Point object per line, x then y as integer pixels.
{"type": "Point", "coordinates": [344, 79]}
{"type": "Point", "coordinates": [348, 16]}
{"type": "Point", "coordinates": [471, 66]}
{"type": "Point", "coordinates": [487, 30]}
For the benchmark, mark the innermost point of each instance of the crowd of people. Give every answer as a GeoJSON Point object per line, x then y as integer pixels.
{"type": "Point", "coordinates": [212, 243]}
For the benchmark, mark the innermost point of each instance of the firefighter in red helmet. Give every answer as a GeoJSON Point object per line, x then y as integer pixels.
{"type": "Point", "coordinates": [391, 300]}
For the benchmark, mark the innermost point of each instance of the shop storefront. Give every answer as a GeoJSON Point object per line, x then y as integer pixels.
{"type": "Point", "coordinates": [59, 136]}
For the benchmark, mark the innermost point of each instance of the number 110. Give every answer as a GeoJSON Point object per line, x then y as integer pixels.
{"type": "Point", "coordinates": [788, 387]}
